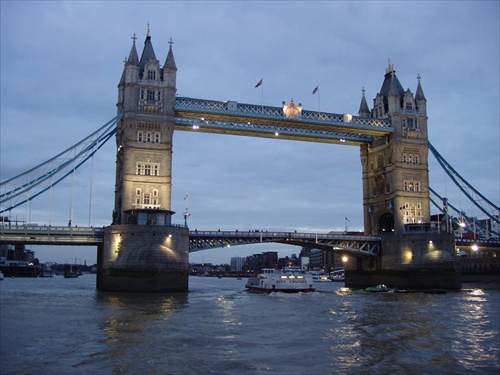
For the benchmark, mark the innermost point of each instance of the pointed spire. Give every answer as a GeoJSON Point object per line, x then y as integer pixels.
{"type": "Point", "coordinates": [122, 79]}
{"type": "Point", "coordinates": [364, 111]}
{"type": "Point", "coordinates": [391, 85]}
{"type": "Point", "coordinates": [170, 61]}
{"type": "Point", "coordinates": [148, 52]}
{"type": "Point", "coordinates": [133, 58]}
{"type": "Point", "coordinates": [419, 95]}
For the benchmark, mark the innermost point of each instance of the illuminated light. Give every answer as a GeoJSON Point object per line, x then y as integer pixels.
{"type": "Point", "coordinates": [430, 242]}
{"type": "Point", "coordinates": [276, 134]}
{"type": "Point", "coordinates": [347, 117]}
{"type": "Point", "coordinates": [196, 126]}
{"type": "Point", "coordinates": [169, 236]}
{"type": "Point", "coordinates": [203, 119]}
{"type": "Point", "coordinates": [292, 111]}
{"type": "Point", "coordinates": [344, 259]}
{"type": "Point", "coordinates": [475, 247]}
{"type": "Point", "coordinates": [342, 140]}
{"type": "Point", "coordinates": [462, 225]}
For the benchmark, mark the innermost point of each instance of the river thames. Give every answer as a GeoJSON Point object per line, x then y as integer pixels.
{"type": "Point", "coordinates": [65, 326]}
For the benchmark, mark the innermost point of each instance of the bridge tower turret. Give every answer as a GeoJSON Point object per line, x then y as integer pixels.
{"type": "Point", "coordinates": [143, 250]}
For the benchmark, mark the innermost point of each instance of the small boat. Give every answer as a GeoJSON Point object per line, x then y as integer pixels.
{"type": "Point", "coordinates": [319, 276]}
{"type": "Point", "coordinates": [70, 271]}
{"type": "Point", "coordinates": [338, 275]}
{"type": "Point", "coordinates": [289, 280]}
{"type": "Point", "coordinates": [377, 288]}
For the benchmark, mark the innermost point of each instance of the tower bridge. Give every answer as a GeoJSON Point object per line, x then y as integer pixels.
{"type": "Point", "coordinates": [143, 250]}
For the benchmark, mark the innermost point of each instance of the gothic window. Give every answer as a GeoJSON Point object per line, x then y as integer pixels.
{"type": "Point", "coordinates": [139, 136]}
{"type": "Point", "coordinates": [138, 192]}
{"type": "Point", "coordinates": [151, 95]}
{"type": "Point", "coordinates": [148, 137]}
{"type": "Point", "coordinates": [416, 159]}
{"type": "Point", "coordinates": [409, 106]}
{"type": "Point", "coordinates": [151, 74]}
{"type": "Point", "coordinates": [155, 193]}
{"type": "Point", "coordinates": [405, 158]}
{"type": "Point", "coordinates": [148, 169]}
{"type": "Point", "coordinates": [142, 94]}
{"type": "Point", "coordinates": [157, 137]}
{"type": "Point", "coordinates": [412, 186]}
{"type": "Point", "coordinates": [147, 198]}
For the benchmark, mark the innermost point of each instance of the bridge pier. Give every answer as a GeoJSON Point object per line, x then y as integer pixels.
{"type": "Point", "coordinates": [144, 258]}
{"type": "Point", "coordinates": [410, 261]}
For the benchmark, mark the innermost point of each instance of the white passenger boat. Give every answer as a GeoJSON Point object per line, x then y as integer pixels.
{"type": "Point", "coordinates": [319, 276]}
{"type": "Point", "coordinates": [290, 280]}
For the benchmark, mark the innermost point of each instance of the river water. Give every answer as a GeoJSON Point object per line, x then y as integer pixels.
{"type": "Point", "coordinates": [65, 326]}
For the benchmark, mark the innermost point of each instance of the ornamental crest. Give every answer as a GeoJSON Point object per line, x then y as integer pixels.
{"type": "Point", "coordinates": [292, 111]}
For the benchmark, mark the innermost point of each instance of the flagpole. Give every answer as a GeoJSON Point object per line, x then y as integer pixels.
{"type": "Point", "coordinates": [319, 109]}
{"type": "Point", "coordinates": [262, 95]}
{"type": "Point", "coordinates": [316, 91]}
{"type": "Point", "coordinates": [261, 83]}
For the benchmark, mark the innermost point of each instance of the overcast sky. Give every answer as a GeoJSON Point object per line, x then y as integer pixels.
{"type": "Point", "coordinates": [61, 63]}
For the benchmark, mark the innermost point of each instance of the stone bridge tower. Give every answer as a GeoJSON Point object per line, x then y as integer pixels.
{"type": "Point", "coordinates": [143, 250]}
{"type": "Point", "coordinates": [396, 199]}
{"type": "Point", "coordinates": [395, 167]}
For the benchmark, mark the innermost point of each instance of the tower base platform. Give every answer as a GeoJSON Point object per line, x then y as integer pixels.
{"type": "Point", "coordinates": [410, 261]}
{"type": "Point", "coordinates": [143, 258]}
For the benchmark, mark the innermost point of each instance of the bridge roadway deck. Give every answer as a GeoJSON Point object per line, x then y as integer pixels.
{"type": "Point", "coordinates": [198, 240]}
{"type": "Point", "coordinates": [204, 240]}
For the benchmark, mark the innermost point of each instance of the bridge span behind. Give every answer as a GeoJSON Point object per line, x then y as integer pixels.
{"type": "Point", "coordinates": [198, 240]}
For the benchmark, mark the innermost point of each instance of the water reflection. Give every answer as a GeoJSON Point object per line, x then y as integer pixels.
{"type": "Point", "coordinates": [135, 324]}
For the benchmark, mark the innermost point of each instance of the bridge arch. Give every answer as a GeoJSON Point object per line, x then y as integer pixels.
{"type": "Point", "coordinates": [386, 223]}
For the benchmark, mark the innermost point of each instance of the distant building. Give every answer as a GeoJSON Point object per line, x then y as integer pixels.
{"type": "Point", "coordinates": [237, 264]}
{"type": "Point", "coordinates": [255, 263]}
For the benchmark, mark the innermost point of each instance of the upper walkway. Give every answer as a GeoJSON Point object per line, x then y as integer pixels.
{"type": "Point", "coordinates": [287, 122]}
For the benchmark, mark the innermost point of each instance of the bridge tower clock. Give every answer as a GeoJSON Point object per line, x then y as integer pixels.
{"type": "Point", "coordinates": [143, 250]}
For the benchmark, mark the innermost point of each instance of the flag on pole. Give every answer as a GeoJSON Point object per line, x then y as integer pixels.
{"type": "Point", "coordinates": [258, 83]}
{"type": "Point", "coordinates": [347, 219]}
{"type": "Point", "coordinates": [315, 90]}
